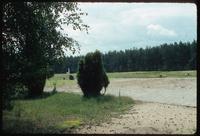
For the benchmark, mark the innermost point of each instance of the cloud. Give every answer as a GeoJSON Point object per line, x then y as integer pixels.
{"type": "Point", "coordinates": [158, 30]}
{"type": "Point", "coordinates": [125, 25]}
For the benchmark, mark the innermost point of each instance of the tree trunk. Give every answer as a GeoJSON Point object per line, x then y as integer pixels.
{"type": "Point", "coordinates": [36, 87]}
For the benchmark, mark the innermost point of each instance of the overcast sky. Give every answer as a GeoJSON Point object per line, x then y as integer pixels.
{"type": "Point", "coordinates": [119, 26]}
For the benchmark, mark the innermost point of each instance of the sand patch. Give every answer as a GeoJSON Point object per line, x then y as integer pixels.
{"type": "Point", "coordinates": [180, 91]}
{"type": "Point", "coordinates": [148, 118]}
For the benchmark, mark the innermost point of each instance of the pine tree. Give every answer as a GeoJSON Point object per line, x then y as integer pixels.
{"type": "Point", "coordinates": [91, 75]}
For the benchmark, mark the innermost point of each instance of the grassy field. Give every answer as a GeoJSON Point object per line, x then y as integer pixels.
{"type": "Point", "coordinates": [60, 112]}
{"type": "Point", "coordinates": [152, 74]}
{"type": "Point", "coordinates": [59, 78]}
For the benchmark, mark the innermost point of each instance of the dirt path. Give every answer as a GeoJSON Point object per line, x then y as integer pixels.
{"type": "Point", "coordinates": [148, 118]}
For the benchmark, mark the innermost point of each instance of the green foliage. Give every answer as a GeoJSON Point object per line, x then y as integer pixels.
{"type": "Point", "coordinates": [13, 91]}
{"type": "Point", "coordinates": [57, 113]}
{"type": "Point", "coordinates": [71, 77]}
{"type": "Point", "coordinates": [35, 85]}
{"type": "Point", "coordinates": [63, 63]}
{"type": "Point", "coordinates": [32, 41]}
{"type": "Point", "coordinates": [91, 75]}
{"type": "Point", "coordinates": [20, 92]}
{"type": "Point", "coordinates": [7, 93]}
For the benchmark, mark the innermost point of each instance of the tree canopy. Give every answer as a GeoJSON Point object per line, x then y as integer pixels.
{"type": "Point", "coordinates": [32, 40]}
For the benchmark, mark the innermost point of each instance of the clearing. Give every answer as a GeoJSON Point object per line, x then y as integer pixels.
{"type": "Point", "coordinates": [164, 105]}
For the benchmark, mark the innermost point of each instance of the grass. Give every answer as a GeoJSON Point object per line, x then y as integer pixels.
{"type": "Point", "coordinates": [152, 74]}
{"type": "Point", "coordinates": [59, 80]}
{"type": "Point", "coordinates": [61, 112]}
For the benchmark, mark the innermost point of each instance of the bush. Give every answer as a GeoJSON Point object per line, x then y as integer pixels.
{"type": "Point", "coordinates": [20, 92]}
{"type": "Point", "coordinates": [7, 97]}
{"type": "Point", "coordinates": [91, 75]}
{"type": "Point", "coordinates": [71, 77]}
{"type": "Point", "coordinates": [10, 92]}
{"type": "Point", "coordinates": [35, 81]}
{"type": "Point", "coordinates": [36, 86]}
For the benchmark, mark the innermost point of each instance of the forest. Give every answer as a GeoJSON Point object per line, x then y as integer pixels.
{"type": "Point", "coordinates": [173, 56]}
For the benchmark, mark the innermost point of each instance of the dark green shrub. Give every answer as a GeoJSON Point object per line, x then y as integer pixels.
{"type": "Point", "coordinates": [36, 86]}
{"type": "Point", "coordinates": [7, 97]}
{"type": "Point", "coordinates": [71, 77]}
{"type": "Point", "coordinates": [35, 82]}
{"type": "Point", "coordinates": [12, 91]}
{"type": "Point", "coordinates": [20, 92]}
{"type": "Point", "coordinates": [50, 72]}
{"type": "Point", "coordinates": [91, 75]}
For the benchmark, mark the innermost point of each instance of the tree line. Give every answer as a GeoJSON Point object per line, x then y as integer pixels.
{"type": "Point", "coordinates": [172, 56]}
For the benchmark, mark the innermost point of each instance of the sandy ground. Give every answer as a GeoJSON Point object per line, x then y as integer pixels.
{"type": "Point", "coordinates": [148, 118]}
{"type": "Point", "coordinates": [179, 91]}
{"type": "Point", "coordinates": [164, 106]}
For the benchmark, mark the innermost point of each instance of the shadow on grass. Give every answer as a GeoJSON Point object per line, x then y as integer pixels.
{"type": "Point", "coordinates": [27, 126]}
{"type": "Point", "coordinates": [44, 95]}
{"type": "Point", "coordinates": [19, 126]}
{"type": "Point", "coordinates": [101, 98]}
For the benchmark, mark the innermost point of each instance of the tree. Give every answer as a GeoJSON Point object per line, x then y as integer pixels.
{"type": "Point", "coordinates": [32, 41]}
{"type": "Point", "coordinates": [91, 75]}
{"type": "Point", "coordinates": [174, 56]}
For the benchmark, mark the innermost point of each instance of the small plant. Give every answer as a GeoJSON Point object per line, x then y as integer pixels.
{"type": "Point", "coordinates": [91, 75]}
{"type": "Point", "coordinates": [119, 97]}
{"type": "Point", "coordinates": [54, 88]}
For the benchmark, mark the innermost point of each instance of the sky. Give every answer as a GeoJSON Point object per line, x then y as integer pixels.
{"type": "Point", "coordinates": [120, 26]}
